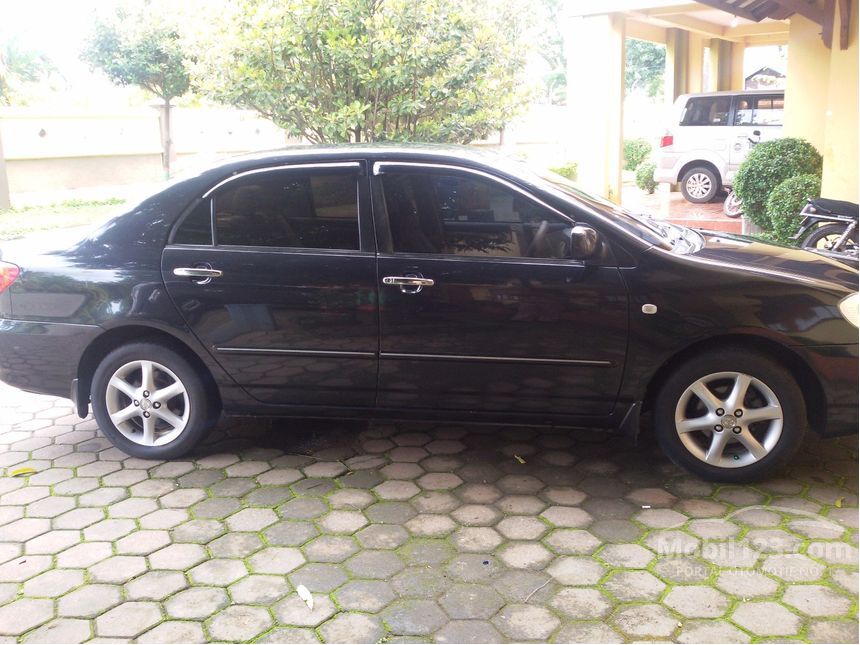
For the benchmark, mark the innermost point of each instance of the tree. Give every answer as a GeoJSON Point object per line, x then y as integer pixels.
{"type": "Point", "coordinates": [371, 70]}
{"type": "Point", "coordinates": [140, 48]}
{"type": "Point", "coordinates": [551, 49]}
{"type": "Point", "coordinates": [19, 65]}
{"type": "Point", "coordinates": [646, 65]}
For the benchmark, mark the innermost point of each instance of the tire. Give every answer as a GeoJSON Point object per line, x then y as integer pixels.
{"type": "Point", "coordinates": [732, 206]}
{"type": "Point", "coordinates": [700, 185]}
{"type": "Point", "coordinates": [175, 421]}
{"type": "Point", "coordinates": [818, 238]}
{"type": "Point", "coordinates": [775, 438]}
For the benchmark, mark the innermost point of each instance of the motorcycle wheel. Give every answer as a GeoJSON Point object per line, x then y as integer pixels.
{"type": "Point", "coordinates": [825, 237]}
{"type": "Point", "coordinates": [733, 207]}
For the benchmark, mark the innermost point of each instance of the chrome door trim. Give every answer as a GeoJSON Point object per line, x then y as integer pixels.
{"type": "Point", "coordinates": [497, 359]}
{"type": "Point", "coordinates": [355, 165]}
{"type": "Point", "coordinates": [296, 352]}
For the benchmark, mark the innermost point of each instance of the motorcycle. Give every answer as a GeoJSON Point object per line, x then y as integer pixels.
{"type": "Point", "coordinates": [829, 227]}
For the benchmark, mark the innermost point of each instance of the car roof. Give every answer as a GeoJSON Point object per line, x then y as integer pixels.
{"type": "Point", "coordinates": [733, 93]}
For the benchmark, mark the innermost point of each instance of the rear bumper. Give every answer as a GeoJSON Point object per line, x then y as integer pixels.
{"type": "Point", "coordinates": [42, 357]}
{"type": "Point", "coordinates": [837, 369]}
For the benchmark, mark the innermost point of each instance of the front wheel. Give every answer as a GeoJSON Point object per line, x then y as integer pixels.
{"type": "Point", "coordinates": [730, 416]}
{"type": "Point", "coordinates": [150, 402]}
{"type": "Point", "coordinates": [700, 185]}
{"type": "Point", "coordinates": [733, 207]}
{"type": "Point", "coordinates": [825, 238]}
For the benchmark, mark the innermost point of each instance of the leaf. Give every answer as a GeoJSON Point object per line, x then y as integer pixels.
{"type": "Point", "coordinates": [519, 459]}
{"type": "Point", "coordinates": [305, 595]}
{"type": "Point", "coordinates": [18, 472]}
{"type": "Point", "coordinates": [838, 503]}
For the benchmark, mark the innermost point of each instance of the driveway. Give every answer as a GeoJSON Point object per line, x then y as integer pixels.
{"type": "Point", "coordinates": [412, 533]}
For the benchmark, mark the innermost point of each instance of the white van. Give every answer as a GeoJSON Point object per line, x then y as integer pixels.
{"type": "Point", "coordinates": [711, 134]}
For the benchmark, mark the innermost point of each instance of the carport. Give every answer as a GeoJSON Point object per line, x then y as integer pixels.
{"type": "Point", "coordinates": [821, 84]}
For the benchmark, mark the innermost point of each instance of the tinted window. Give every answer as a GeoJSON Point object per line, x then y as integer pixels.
{"type": "Point", "coordinates": [707, 110]}
{"type": "Point", "coordinates": [759, 110]}
{"type": "Point", "coordinates": [196, 228]}
{"type": "Point", "coordinates": [289, 209]}
{"type": "Point", "coordinates": [462, 215]}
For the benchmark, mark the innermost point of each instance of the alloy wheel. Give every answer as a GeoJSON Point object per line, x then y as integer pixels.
{"type": "Point", "coordinates": [698, 185]}
{"type": "Point", "coordinates": [147, 403]}
{"type": "Point", "coordinates": [729, 419]}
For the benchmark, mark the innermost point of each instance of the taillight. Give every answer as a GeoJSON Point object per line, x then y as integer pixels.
{"type": "Point", "coordinates": [666, 140]}
{"type": "Point", "coordinates": [8, 274]}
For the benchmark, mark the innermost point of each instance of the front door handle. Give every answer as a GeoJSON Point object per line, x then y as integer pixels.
{"type": "Point", "coordinates": [201, 274]}
{"type": "Point", "coordinates": [408, 283]}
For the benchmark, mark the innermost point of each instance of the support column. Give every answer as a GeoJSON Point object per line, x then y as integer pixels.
{"type": "Point", "coordinates": [724, 76]}
{"type": "Point", "coordinates": [595, 99]}
{"type": "Point", "coordinates": [677, 63]}
{"type": "Point", "coordinates": [5, 201]}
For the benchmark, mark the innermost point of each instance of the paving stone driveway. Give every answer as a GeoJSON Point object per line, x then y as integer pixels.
{"type": "Point", "coordinates": [413, 533]}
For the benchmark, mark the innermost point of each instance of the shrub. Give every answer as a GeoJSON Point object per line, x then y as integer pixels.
{"type": "Point", "coordinates": [569, 170]}
{"type": "Point", "coordinates": [768, 165]}
{"type": "Point", "coordinates": [645, 177]}
{"type": "Point", "coordinates": [635, 152]}
{"type": "Point", "coordinates": [785, 202]}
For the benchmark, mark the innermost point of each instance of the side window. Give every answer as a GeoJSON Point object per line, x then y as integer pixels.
{"type": "Point", "coordinates": [707, 110]}
{"type": "Point", "coordinates": [759, 110]}
{"type": "Point", "coordinates": [470, 217]}
{"type": "Point", "coordinates": [289, 209]}
{"type": "Point", "coordinates": [196, 228]}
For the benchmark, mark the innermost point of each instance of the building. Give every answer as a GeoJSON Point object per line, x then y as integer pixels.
{"type": "Point", "coordinates": [821, 77]}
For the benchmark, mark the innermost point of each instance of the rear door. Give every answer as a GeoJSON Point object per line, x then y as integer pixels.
{"type": "Point", "coordinates": [757, 118]}
{"type": "Point", "coordinates": [274, 271]}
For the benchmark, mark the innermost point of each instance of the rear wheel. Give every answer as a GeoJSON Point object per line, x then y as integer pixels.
{"type": "Point", "coordinates": [824, 238]}
{"type": "Point", "coordinates": [150, 402]}
{"type": "Point", "coordinates": [700, 185]}
{"type": "Point", "coordinates": [730, 416]}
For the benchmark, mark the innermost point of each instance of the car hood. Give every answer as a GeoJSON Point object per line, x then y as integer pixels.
{"type": "Point", "coordinates": [751, 254]}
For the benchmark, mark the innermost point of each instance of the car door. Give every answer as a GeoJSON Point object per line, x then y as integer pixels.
{"type": "Point", "coordinates": [274, 273]}
{"type": "Point", "coordinates": [757, 118]}
{"type": "Point", "coordinates": [480, 307]}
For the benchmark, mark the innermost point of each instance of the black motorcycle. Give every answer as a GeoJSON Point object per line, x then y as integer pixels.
{"type": "Point", "coordinates": [829, 227]}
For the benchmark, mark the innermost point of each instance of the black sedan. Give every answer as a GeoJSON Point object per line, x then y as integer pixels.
{"type": "Point", "coordinates": [433, 283]}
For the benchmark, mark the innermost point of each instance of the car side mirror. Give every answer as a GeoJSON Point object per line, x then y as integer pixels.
{"type": "Point", "coordinates": [584, 242]}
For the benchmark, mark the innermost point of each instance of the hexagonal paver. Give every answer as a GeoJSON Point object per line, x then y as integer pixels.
{"type": "Point", "coordinates": [142, 542]}
{"type": "Point", "coordinates": [53, 583]}
{"type": "Point", "coordinates": [342, 521]}
{"type": "Point", "coordinates": [522, 528]}
{"type": "Point", "coordinates": [177, 556]}
{"type": "Point", "coordinates": [525, 555]}
{"type": "Point", "coordinates": [697, 602]}
{"type": "Point", "coordinates": [575, 571]}
{"type": "Point", "coordinates": [471, 601]}
{"type": "Point", "coordinates": [380, 536]}
{"type": "Point", "coordinates": [259, 589]}
{"type": "Point", "coordinates": [365, 595]}
{"type": "Point", "coordinates": [220, 571]}
{"type": "Point", "coordinates": [23, 615]}
{"type": "Point", "coordinates": [330, 548]}
{"type": "Point", "coordinates": [427, 525]}
{"type": "Point", "coordinates": [414, 617]}
{"type": "Point", "coordinates": [581, 604]}
{"type": "Point", "coordinates": [155, 585]}
{"type": "Point", "coordinates": [711, 631]}
{"type": "Point", "coordinates": [118, 569]}
{"type": "Point", "coordinates": [746, 583]}
{"type": "Point", "coordinates": [645, 621]}
{"type": "Point", "coordinates": [476, 539]}
{"type": "Point", "coordinates": [319, 576]}
{"type": "Point", "coordinates": [128, 619]}
{"type": "Point", "coordinates": [239, 623]}
{"type": "Point", "coordinates": [766, 619]}
{"type": "Point", "coordinates": [174, 631]}
{"type": "Point", "coordinates": [793, 567]}
{"type": "Point", "coordinates": [396, 490]}
{"type": "Point", "coordinates": [567, 517]}
{"type": "Point", "coordinates": [61, 630]}
{"type": "Point", "coordinates": [468, 631]}
{"type": "Point", "coordinates": [196, 603]}
{"type": "Point", "coordinates": [526, 622]}
{"type": "Point", "coordinates": [374, 564]}
{"type": "Point", "coordinates": [629, 586]}
{"type": "Point", "coordinates": [276, 560]}
{"type": "Point", "coordinates": [816, 600]}
{"type": "Point", "coordinates": [89, 601]}
{"type": "Point", "coordinates": [251, 519]}
{"type": "Point", "coordinates": [292, 610]}
{"type": "Point", "coordinates": [352, 628]}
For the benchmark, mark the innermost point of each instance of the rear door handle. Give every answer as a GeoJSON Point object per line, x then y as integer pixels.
{"type": "Point", "coordinates": [201, 274]}
{"type": "Point", "coordinates": [408, 283]}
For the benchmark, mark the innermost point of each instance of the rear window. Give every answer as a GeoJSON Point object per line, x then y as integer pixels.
{"type": "Point", "coordinates": [707, 110]}
{"type": "Point", "coordinates": [759, 110]}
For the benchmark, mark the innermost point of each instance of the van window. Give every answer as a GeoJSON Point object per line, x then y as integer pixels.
{"type": "Point", "coordinates": [759, 110]}
{"type": "Point", "coordinates": [706, 110]}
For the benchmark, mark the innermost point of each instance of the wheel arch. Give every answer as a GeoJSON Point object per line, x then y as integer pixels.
{"type": "Point", "coordinates": [109, 340]}
{"type": "Point", "coordinates": [808, 382]}
{"type": "Point", "coordinates": [702, 163]}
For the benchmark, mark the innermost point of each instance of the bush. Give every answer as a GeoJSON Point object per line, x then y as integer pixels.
{"type": "Point", "coordinates": [645, 177]}
{"type": "Point", "coordinates": [635, 152]}
{"type": "Point", "coordinates": [569, 170]}
{"type": "Point", "coordinates": [785, 202]}
{"type": "Point", "coordinates": [767, 166]}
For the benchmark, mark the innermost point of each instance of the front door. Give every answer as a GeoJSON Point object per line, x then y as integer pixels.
{"type": "Point", "coordinates": [480, 307]}
{"type": "Point", "coordinates": [757, 118]}
{"type": "Point", "coordinates": [284, 293]}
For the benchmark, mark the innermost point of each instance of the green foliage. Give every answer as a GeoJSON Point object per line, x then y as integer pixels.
{"type": "Point", "coordinates": [23, 220]}
{"type": "Point", "coordinates": [646, 64]}
{"type": "Point", "coordinates": [372, 70]}
{"type": "Point", "coordinates": [570, 170]}
{"type": "Point", "coordinates": [785, 202]}
{"type": "Point", "coordinates": [768, 165]}
{"type": "Point", "coordinates": [635, 152]}
{"type": "Point", "coordinates": [550, 45]}
{"type": "Point", "coordinates": [19, 65]}
{"type": "Point", "coordinates": [139, 48]}
{"type": "Point", "coordinates": [645, 177]}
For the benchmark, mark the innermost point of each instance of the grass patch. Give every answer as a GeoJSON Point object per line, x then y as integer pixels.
{"type": "Point", "coordinates": [17, 222]}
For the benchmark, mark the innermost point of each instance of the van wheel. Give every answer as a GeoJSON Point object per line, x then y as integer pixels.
{"type": "Point", "coordinates": [730, 415]}
{"type": "Point", "coordinates": [150, 402]}
{"type": "Point", "coordinates": [700, 185]}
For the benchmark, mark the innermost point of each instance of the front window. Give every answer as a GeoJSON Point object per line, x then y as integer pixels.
{"type": "Point", "coordinates": [759, 110]}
